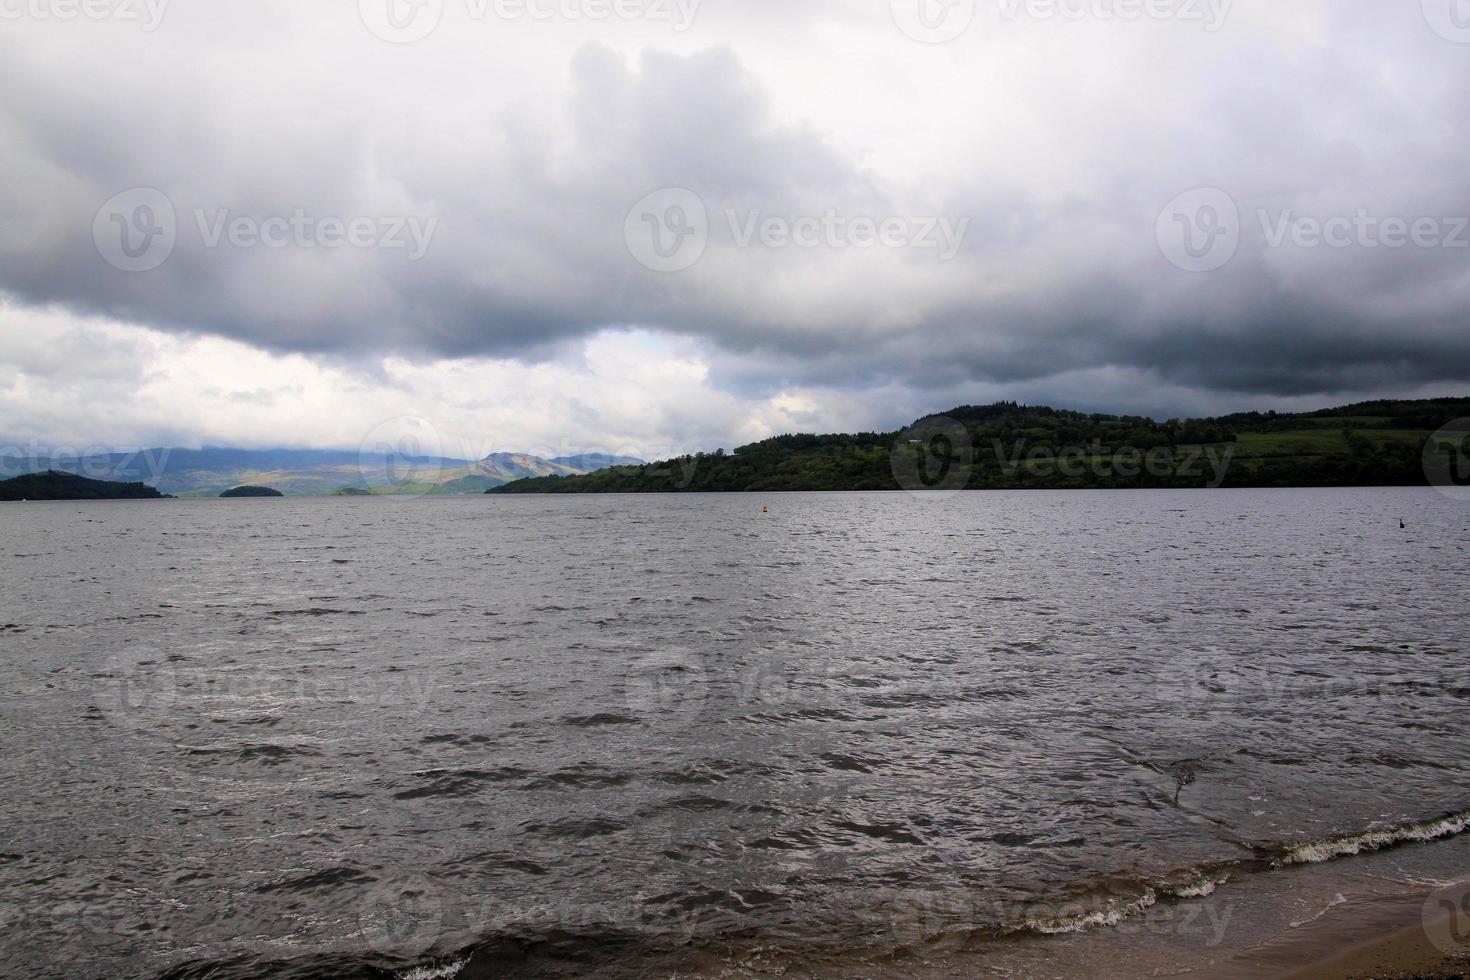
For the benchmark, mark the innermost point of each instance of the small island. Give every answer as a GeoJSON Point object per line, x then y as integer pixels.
{"type": "Point", "coordinates": [56, 485]}
{"type": "Point", "coordinates": [252, 492]}
{"type": "Point", "coordinates": [353, 492]}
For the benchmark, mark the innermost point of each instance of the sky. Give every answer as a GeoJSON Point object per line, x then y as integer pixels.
{"type": "Point", "coordinates": [654, 226]}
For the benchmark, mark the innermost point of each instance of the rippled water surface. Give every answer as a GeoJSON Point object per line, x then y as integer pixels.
{"type": "Point", "coordinates": [338, 737]}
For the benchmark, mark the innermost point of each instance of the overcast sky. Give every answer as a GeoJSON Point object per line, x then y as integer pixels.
{"type": "Point", "coordinates": [658, 225]}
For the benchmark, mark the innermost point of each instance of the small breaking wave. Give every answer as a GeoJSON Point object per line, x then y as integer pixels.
{"type": "Point", "coordinates": [1201, 889]}
{"type": "Point", "coordinates": [444, 972]}
{"type": "Point", "coordinates": [1194, 884]}
{"type": "Point", "coordinates": [1204, 882]}
{"type": "Point", "coordinates": [1092, 919]}
{"type": "Point", "coordinates": [1317, 852]}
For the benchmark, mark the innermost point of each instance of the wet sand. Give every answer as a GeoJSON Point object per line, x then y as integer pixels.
{"type": "Point", "coordinates": [1404, 936]}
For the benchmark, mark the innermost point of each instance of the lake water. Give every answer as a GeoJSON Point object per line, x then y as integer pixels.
{"type": "Point", "coordinates": [351, 737]}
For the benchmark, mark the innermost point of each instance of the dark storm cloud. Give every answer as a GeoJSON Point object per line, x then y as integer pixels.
{"type": "Point", "coordinates": [1054, 275]}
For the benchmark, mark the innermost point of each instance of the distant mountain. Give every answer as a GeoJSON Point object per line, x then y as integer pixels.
{"type": "Point", "coordinates": [301, 472]}
{"type": "Point", "coordinates": [519, 466]}
{"type": "Point", "coordinates": [592, 462]}
{"type": "Point", "coordinates": [1011, 446]}
{"type": "Point", "coordinates": [54, 485]}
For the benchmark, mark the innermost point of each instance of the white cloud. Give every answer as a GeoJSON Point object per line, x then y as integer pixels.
{"type": "Point", "coordinates": [627, 392]}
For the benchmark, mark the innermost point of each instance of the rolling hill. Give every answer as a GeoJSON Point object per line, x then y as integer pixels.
{"type": "Point", "coordinates": [1010, 446]}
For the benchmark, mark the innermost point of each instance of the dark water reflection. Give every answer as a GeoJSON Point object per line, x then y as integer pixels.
{"type": "Point", "coordinates": [353, 735]}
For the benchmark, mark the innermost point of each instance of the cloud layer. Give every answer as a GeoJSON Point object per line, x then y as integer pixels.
{"type": "Point", "coordinates": [1137, 197]}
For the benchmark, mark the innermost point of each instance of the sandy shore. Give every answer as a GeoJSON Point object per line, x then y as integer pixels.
{"type": "Point", "coordinates": [1412, 935]}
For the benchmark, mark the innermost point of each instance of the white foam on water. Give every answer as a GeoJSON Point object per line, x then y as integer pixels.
{"type": "Point", "coordinates": [1374, 840]}
{"type": "Point", "coordinates": [1200, 889]}
{"type": "Point", "coordinates": [1097, 918]}
{"type": "Point", "coordinates": [445, 972]}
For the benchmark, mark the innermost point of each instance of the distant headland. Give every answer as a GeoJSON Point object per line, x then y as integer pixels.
{"type": "Point", "coordinates": [252, 492]}
{"type": "Point", "coordinates": [55, 485]}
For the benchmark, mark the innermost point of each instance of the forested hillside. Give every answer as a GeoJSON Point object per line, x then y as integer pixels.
{"type": "Point", "coordinates": [1011, 446]}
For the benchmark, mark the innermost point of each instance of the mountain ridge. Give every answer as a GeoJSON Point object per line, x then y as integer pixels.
{"type": "Point", "coordinates": [211, 471]}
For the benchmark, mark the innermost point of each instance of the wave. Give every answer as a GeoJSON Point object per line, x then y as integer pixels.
{"type": "Point", "coordinates": [1331, 849]}
{"type": "Point", "coordinates": [1092, 919]}
{"type": "Point", "coordinates": [1196, 883]}
{"type": "Point", "coordinates": [622, 951]}
{"type": "Point", "coordinates": [1203, 882]}
{"type": "Point", "coordinates": [1207, 880]}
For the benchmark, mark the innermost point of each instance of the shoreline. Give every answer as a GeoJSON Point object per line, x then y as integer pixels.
{"type": "Point", "coordinates": [1380, 915]}
{"type": "Point", "coordinates": [1380, 938]}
